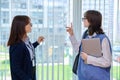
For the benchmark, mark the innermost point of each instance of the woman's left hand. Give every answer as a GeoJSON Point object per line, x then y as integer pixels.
{"type": "Point", "coordinates": [84, 56]}
{"type": "Point", "coordinates": [40, 39]}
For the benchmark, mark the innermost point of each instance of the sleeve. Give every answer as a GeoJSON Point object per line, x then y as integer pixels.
{"type": "Point", "coordinates": [35, 44]}
{"type": "Point", "coordinates": [75, 43]}
{"type": "Point", "coordinates": [106, 59]}
{"type": "Point", "coordinates": [16, 57]}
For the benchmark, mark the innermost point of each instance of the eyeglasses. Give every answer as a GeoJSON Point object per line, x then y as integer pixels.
{"type": "Point", "coordinates": [84, 18]}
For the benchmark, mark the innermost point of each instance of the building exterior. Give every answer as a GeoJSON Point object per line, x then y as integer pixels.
{"type": "Point", "coordinates": [106, 7]}
{"type": "Point", "coordinates": [49, 18]}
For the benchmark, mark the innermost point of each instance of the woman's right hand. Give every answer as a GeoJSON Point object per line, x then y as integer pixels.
{"type": "Point", "coordinates": [69, 29]}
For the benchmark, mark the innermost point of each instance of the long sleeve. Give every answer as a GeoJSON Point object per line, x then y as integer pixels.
{"type": "Point", "coordinates": [75, 43]}
{"type": "Point", "coordinates": [16, 58]}
{"type": "Point", "coordinates": [105, 60]}
{"type": "Point", "coordinates": [35, 44]}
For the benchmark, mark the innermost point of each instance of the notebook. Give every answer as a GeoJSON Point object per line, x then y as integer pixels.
{"type": "Point", "coordinates": [92, 47]}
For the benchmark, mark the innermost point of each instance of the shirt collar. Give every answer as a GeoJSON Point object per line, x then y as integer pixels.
{"type": "Point", "coordinates": [91, 36]}
{"type": "Point", "coordinates": [26, 40]}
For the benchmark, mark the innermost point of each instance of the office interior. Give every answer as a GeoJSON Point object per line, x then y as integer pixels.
{"type": "Point", "coordinates": [49, 18]}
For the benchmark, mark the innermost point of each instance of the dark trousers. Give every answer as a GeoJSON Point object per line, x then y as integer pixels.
{"type": "Point", "coordinates": [34, 73]}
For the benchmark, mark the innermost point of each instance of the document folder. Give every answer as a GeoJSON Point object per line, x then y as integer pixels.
{"type": "Point", "coordinates": [92, 47]}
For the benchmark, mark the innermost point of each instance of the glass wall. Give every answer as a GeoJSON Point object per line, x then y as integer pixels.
{"type": "Point", "coordinates": [116, 40]}
{"type": "Point", "coordinates": [49, 18]}
{"type": "Point", "coordinates": [111, 25]}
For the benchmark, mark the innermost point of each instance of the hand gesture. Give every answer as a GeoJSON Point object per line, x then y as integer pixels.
{"type": "Point", "coordinates": [69, 29]}
{"type": "Point", "coordinates": [40, 39]}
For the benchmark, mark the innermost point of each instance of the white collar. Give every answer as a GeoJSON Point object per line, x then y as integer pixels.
{"type": "Point", "coordinates": [27, 40]}
{"type": "Point", "coordinates": [94, 34]}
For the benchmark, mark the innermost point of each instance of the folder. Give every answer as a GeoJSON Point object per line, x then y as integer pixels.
{"type": "Point", "coordinates": [92, 47]}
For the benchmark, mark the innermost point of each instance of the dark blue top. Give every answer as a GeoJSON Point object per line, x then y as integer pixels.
{"type": "Point", "coordinates": [20, 61]}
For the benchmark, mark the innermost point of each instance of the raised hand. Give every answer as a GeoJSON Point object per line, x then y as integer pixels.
{"type": "Point", "coordinates": [69, 29]}
{"type": "Point", "coordinates": [40, 39]}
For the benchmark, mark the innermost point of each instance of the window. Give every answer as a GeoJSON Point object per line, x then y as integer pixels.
{"type": "Point", "coordinates": [50, 17]}
{"type": "Point", "coordinates": [47, 19]}
{"type": "Point", "coordinates": [4, 4]}
{"type": "Point", "coordinates": [5, 17]}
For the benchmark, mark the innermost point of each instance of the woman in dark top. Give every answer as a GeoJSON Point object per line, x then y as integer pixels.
{"type": "Point", "coordinates": [22, 51]}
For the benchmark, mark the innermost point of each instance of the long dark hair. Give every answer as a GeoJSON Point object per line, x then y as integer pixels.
{"type": "Point", "coordinates": [95, 19]}
{"type": "Point", "coordinates": [18, 29]}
